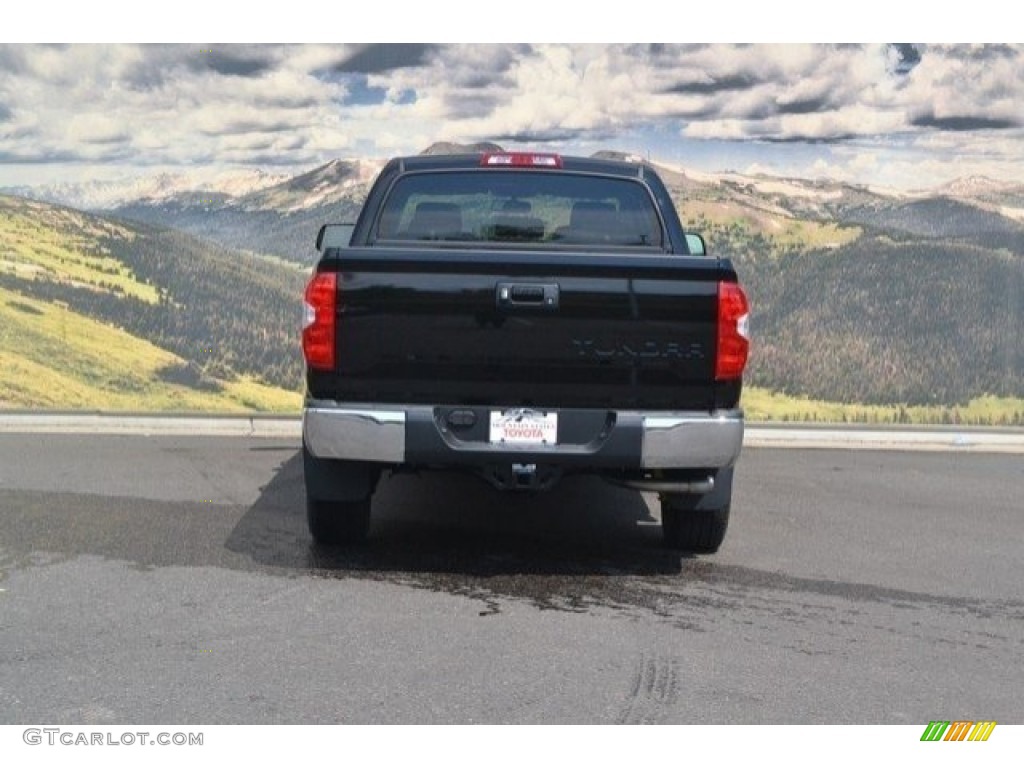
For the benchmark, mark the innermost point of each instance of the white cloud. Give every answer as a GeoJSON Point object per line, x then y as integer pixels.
{"type": "Point", "coordinates": [95, 128]}
{"type": "Point", "coordinates": [190, 104]}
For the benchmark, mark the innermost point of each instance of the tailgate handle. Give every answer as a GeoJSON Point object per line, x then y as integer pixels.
{"type": "Point", "coordinates": [533, 295]}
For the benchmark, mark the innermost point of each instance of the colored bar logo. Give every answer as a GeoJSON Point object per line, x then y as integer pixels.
{"type": "Point", "coordinates": [958, 730]}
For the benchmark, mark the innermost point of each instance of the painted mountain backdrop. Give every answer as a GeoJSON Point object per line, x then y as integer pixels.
{"type": "Point", "coordinates": [899, 305]}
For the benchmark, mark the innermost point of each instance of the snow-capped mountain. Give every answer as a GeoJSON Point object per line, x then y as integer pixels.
{"type": "Point", "coordinates": [101, 195]}
{"type": "Point", "coordinates": [321, 186]}
{"type": "Point", "coordinates": [980, 187]}
{"type": "Point", "coordinates": [280, 219]}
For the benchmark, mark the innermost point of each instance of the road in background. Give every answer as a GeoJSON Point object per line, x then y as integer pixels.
{"type": "Point", "coordinates": [875, 437]}
{"type": "Point", "coordinates": [171, 579]}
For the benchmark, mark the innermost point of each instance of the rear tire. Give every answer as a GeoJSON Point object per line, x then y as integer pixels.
{"type": "Point", "coordinates": [693, 530]}
{"type": "Point", "coordinates": [336, 523]}
{"type": "Point", "coordinates": [338, 498]}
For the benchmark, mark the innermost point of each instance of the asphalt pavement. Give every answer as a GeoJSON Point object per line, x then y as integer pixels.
{"type": "Point", "coordinates": [170, 579]}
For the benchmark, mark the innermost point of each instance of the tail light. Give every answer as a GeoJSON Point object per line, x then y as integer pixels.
{"type": "Point", "coordinates": [318, 320]}
{"type": "Point", "coordinates": [733, 332]}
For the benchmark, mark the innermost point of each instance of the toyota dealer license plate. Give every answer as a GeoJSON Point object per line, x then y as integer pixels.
{"type": "Point", "coordinates": [522, 426]}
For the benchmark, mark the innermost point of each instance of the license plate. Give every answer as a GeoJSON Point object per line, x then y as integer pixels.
{"type": "Point", "coordinates": [522, 426]}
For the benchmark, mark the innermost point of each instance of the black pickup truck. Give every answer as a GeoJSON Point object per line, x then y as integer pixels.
{"type": "Point", "coordinates": [522, 316]}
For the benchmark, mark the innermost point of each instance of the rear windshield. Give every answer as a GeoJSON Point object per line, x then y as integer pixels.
{"type": "Point", "coordinates": [520, 207]}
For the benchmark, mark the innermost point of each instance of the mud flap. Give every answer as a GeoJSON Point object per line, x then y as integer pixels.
{"type": "Point", "coordinates": [334, 480]}
{"type": "Point", "coordinates": [719, 498]}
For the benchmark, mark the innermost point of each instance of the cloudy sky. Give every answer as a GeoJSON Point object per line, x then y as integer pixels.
{"type": "Point", "coordinates": [898, 115]}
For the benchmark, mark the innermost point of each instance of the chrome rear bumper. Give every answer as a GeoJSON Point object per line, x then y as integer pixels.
{"type": "Point", "coordinates": [665, 439]}
{"type": "Point", "coordinates": [642, 439]}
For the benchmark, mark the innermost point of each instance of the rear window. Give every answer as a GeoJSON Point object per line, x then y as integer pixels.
{"type": "Point", "coordinates": [520, 207]}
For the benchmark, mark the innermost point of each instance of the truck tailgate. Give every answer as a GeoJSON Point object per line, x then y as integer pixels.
{"type": "Point", "coordinates": [626, 329]}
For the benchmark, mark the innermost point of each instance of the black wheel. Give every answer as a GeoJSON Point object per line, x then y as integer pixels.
{"type": "Point", "coordinates": [695, 530]}
{"type": "Point", "coordinates": [338, 522]}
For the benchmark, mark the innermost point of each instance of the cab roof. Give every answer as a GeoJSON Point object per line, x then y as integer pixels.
{"type": "Point", "coordinates": [568, 163]}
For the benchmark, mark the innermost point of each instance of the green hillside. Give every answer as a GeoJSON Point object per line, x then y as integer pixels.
{"type": "Point", "coordinates": [877, 320]}
{"type": "Point", "coordinates": [761, 404]}
{"type": "Point", "coordinates": [42, 241]}
{"type": "Point", "coordinates": [882, 321]}
{"type": "Point", "coordinates": [734, 228]}
{"type": "Point", "coordinates": [54, 358]}
{"type": "Point", "coordinates": [106, 315]}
